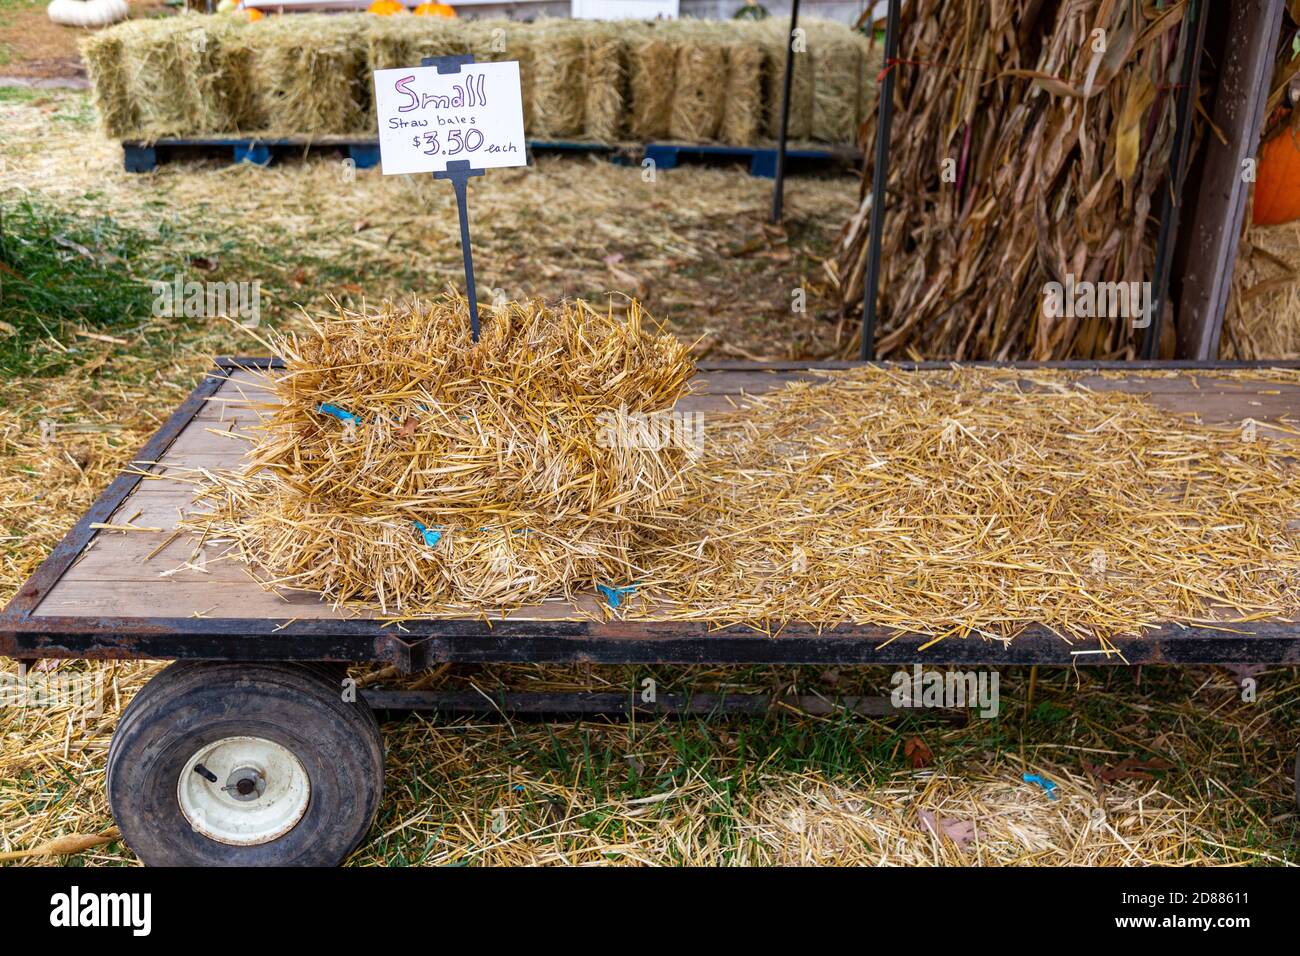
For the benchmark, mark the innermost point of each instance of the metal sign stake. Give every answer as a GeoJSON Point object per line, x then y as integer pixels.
{"type": "Point", "coordinates": [459, 171]}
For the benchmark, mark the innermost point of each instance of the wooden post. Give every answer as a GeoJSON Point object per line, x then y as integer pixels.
{"type": "Point", "coordinates": [1208, 247]}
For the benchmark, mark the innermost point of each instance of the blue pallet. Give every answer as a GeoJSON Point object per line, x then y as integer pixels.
{"type": "Point", "coordinates": [145, 157]}
{"type": "Point", "coordinates": [761, 159]}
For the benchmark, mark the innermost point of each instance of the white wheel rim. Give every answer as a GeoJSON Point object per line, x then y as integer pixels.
{"type": "Point", "coordinates": [260, 792]}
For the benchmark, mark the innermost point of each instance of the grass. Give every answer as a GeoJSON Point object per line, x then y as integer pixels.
{"type": "Point", "coordinates": [60, 276]}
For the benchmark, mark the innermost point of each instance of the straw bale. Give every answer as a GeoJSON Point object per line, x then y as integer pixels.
{"type": "Point", "coordinates": [700, 87]}
{"type": "Point", "coordinates": [1263, 316]}
{"type": "Point", "coordinates": [652, 65]}
{"type": "Point", "coordinates": [775, 33]}
{"type": "Point", "coordinates": [742, 112]}
{"type": "Point", "coordinates": [154, 58]}
{"type": "Point", "coordinates": [498, 40]}
{"type": "Point", "coordinates": [104, 54]}
{"type": "Point", "coordinates": [559, 81]}
{"type": "Point", "coordinates": [313, 75]}
{"type": "Point", "coordinates": [219, 75]}
{"type": "Point", "coordinates": [837, 85]}
{"type": "Point", "coordinates": [412, 469]}
{"type": "Point", "coordinates": [606, 75]}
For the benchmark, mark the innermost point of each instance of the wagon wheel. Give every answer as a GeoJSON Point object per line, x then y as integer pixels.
{"type": "Point", "coordinates": [245, 765]}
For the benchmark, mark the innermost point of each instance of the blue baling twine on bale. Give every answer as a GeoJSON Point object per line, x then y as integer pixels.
{"type": "Point", "coordinates": [431, 535]}
{"type": "Point", "coordinates": [339, 413]}
{"type": "Point", "coordinates": [613, 595]}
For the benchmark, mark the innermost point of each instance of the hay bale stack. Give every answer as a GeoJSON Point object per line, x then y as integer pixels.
{"type": "Point", "coordinates": [652, 64]}
{"type": "Point", "coordinates": [104, 55]}
{"type": "Point", "coordinates": [499, 40]}
{"type": "Point", "coordinates": [606, 77]}
{"type": "Point", "coordinates": [774, 36]}
{"type": "Point", "coordinates": [837, 70]}
{"type": "Point", "coordinates": [408, 468]}
{"type": "Point", "coordinates": [313, 76]}
{"type": "Point", "coordinates": [742, 112]}
{"type": "Point", "coordinates": [700, 82]}
{"type": "Point", "coordinates": [309, 75]}
{"type": "Point", "coordinates": [559, 78]}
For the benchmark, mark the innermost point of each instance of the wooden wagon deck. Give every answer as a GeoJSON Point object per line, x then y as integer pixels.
{"type": "Point", "coordinates": [106, 594]}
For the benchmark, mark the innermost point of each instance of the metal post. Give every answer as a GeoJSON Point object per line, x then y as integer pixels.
{"type": "Point", "coordinates": [1216, 205]}
{"type": "Point", "coordinates": [879, 176]}
{"type": "Point", "coordinates": [1172, 204]}
{"type": "Point", "coordinates": [778, 189]}
{"type": "Point", "coordinates": [458, 171]}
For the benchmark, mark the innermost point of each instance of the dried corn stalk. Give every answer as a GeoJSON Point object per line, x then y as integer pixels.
{"type": "Point", "coordinates": [1030, 144]}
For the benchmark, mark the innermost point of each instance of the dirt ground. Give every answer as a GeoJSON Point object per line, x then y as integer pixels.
{"type": "Point", "coordinates": [34, 47]}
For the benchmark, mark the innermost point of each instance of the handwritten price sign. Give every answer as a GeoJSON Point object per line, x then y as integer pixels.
{"type": "Point", "coordinates": [427, 118]}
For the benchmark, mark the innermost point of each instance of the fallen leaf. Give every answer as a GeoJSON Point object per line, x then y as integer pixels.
{"type": "Point", "coordinates": [1128, 132]}
{"type": "Point", "coordinates": [959, 832]}
{"type": "Point", "coordinates": [917, 753]}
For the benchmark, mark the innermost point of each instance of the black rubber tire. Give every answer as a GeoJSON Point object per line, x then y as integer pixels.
{"type": "Point", "coordinates": [299, 706]}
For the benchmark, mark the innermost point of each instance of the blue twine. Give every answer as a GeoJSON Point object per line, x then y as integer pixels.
{"type": "Point", "coordinates": [339, 413]}
{"type": "Point", "coordinates": [1047, 785]}
{"type": "Point", "coordinates": [613, 595]}
{"type": "Point", "coordinates": [431, 535]}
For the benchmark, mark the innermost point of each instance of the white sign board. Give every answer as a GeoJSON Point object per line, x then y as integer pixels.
{"type": "Point", "coordinates": [427, 118]}
{"type": "Point", "coordinates": [624, 9]}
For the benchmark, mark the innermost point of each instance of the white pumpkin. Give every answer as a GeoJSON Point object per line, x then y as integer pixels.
{"type": "Point", "coordinates": [87, 13]}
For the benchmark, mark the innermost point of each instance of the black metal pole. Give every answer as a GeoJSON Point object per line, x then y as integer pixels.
{"type": "Point", "coordinates": [459, 171]}
{"type": "Point", "coordinates": [778, 189]}
{"type": "Point", "coordinates": [880, 174]}
{"type": "Point", "coordinates": [1171, 205]}
{"type": "Point", "coordinates": [459, 182]}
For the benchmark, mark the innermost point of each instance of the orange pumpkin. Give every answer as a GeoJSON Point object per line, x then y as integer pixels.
{"type": "Point", "coordinates": [385, 8]}
{"type": "Point", "coordinates": [434, 10]}
{"type": "Point", "coordinates": [1277, 179]}
{"type": "Point", "coordinates": [254, 15]}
